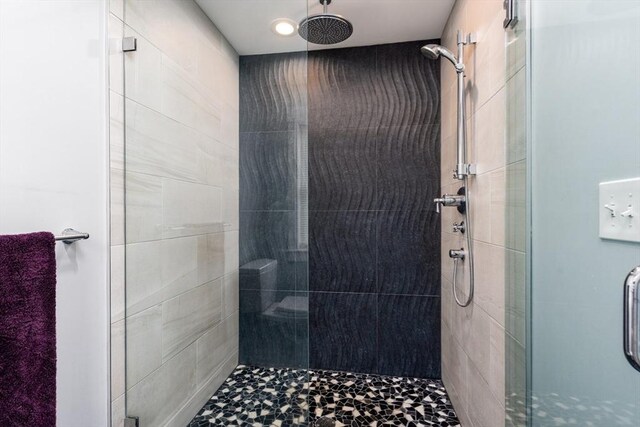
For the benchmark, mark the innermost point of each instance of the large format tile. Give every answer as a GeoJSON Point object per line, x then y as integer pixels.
{"type": "Point", "coordinates": [159, 146]}
{"type": "Point", "coordinates": [184, 100]}
{"type": "Point", "coordinates": [116, 130]}
{"type": "Point", "coordinates": [490, 133]}
{"type": "Point", "coordinates": [344, 89]}
{"type": "Point", "coordinates": [186, 317]}
{"type": "Point", "coordinates": [116, 56]}
{"type": "Point", "coordinates": [118, 274]}
{"type": "Point", "coordinates": [163, 269]}
{"type": "Point", "coordinates": [155, 399]}
{"type": "Point", "coordinates": [230, 294]}
{"type": "Point", "coordinates": [342, 169]}
{"type": "Point", "coordinates": [273, 328]}
{"type": "Point", "coordinates": [143, 344]}
{"type": "Point", "coordinates": [143, 72]}
{"type": "Point", "coordinates": [408, 169]}
{"type": "Point", "coordinates": [216, 346]}
{"type": "Point", "coordinates": [268, 170]}
{"type": "Point", "coordinates": [273, 92]}
{"type": "Point", "coordinates": [408, 259]}
{"type": "Point", "coordinates": [190, 208]}
{"type": "Point", "coordinates": [410, 85]}
{"type": "Point", "coordinates": [118, 359]}
{"type": "Point", "coordinates": [143, 210]}
{"type": "Point", "coordinates": [342, 251]}
{"type": "Point", "coordinates": [409, 336]}
{"type": "Point", "coordinates": [342, 328]}
{"type": "Point", "coordinates": [189, 27]}
{"type": "Point", "coordinates": [270, 235]}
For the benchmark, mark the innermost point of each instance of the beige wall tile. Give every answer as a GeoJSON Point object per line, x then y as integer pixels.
{"type": "Point", "coordinates": [116, 201]}
{"type": "Point", "coordinates": [490, 65]}
{"type": "Point", "coordinates": [204, 213]}
{"type": "Point", "coordinates": [498, 206]}
{"type": "Point", "coordinates": [143, 275]}
{"type": "Point", "coordinates": [480, 188]}
{"type": "Point", "coordinates": [182, 130]}
{"type": "Point", "coordinates": [515, 295]}
{"type": "Point", "coordinates": [117, 283]}
{"type": "Point", "coordinates": [188, 316]}
{"type": "Point", "coordinates": [143, 207]}
{"type": "Point", "coordinates": [117, 359]}
{"type": "Point", "coordinates": [516, 118]}
{"type": "Point", "coordinates": [489, 136]}
{"type": "Point", "coordinates": [490, 279]}
{"type": "Point", "coordinates": [118, 412]}
{"type": "Point", "coordinates": [484, 408]}
{"type": "Point", "coordinates": [143, 72]}
{"type": "Point", "coordinates": [159, 146]}
{"type": "Point", "coordinates": [156, 398]}
{"type": "Point", "coordinates": [144, 344]}
{"type": "Point", "coordinates": [231, 294]}
{"type": "Point", "coordinates": [116, 130]}
{"type": "Point", "coordinates": [117, 8]}
{"type": "Point", "coordinates": [497, 196]}
{"type": "Point", "coordinates": [515, 213]}
{"type": "Point", "coordinates": [116, 58]}
{"type": "Point", "coordinates": [215, 347]}
{"type": "Point", "coordinates": [211, 256]}
{"type": "Point", "coordinates": [495, 375]}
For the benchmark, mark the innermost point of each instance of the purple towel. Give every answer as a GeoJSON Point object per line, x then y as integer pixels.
{"type": "Point", "coordinates": [28, 330]}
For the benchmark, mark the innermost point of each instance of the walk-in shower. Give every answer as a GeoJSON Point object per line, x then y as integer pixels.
{"type": "Point", "coordinates": [463, 170]}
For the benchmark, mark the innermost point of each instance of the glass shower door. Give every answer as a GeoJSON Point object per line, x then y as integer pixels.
{"type": "Point", "coordinates": [585, 130]}
{"type": "Point", "coordinates": [215, 211]}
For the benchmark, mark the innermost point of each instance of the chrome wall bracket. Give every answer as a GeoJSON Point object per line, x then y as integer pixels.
{"type": "Point", "coordinates": [464, 169]}
{"type": "Point", "coordinates": [129, 44]}
{"type": "Point", "coordinates": [132, 422]}
{"type": "Point", "coordinates": [511, 13]}
{"type": "Point", "coordinates": [69, 235]}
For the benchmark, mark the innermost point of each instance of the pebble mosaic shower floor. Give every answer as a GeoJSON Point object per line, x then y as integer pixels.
{"type": "Point", "coordinates": [287, 397]}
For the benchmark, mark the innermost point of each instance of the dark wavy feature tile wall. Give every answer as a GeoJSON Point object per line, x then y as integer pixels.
{"type": "Point", "coordinates": [371, 118]}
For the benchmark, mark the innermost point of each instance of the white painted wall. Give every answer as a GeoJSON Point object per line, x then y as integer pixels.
{"type": "Point", "coordinates": [53, 175]}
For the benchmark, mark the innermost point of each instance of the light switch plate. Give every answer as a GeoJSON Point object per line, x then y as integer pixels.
{"type": "Point", "coordinates": [620, 210]}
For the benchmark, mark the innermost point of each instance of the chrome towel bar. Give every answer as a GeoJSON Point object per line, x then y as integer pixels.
{"type": "Point", "coordinates": [69, 235]}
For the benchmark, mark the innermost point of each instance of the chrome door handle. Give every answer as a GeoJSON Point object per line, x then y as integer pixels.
{"type": "Point", "coordinates": [632, 318]}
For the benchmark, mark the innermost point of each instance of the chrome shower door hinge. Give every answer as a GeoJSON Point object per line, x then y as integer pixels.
{"type": "Point", "coordinates": [511, 11]}
{"type": "Point", "coordinates": [129, 44]}
{"type": "Point", "coordinates": [132, 422]}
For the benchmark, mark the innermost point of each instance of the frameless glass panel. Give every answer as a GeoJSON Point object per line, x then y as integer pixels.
{"type": "Point", "coordinates": [215, 207]}
{"type": "Point", "coordinates": [585, 77]}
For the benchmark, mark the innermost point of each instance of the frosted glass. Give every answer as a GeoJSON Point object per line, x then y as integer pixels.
{"type": "Point", "coordinates": [585, 85]}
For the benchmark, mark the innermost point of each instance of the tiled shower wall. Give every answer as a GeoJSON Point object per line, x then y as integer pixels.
{"type": "Point", "coordinates": [373, 170]}
{"type": "Point", "coordinates": [483, 340]}
{"type": "Point", "coordinates": [175, 102]}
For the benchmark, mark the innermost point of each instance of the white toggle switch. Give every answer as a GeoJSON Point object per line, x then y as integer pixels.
{"type": "Point", "coordinates": [619, 201]}
{"type": "Point", "coordinates": [611, 208]}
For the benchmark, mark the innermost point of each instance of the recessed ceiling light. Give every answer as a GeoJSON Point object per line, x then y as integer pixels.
{"type": "Point", "coordinates": [284, 27]}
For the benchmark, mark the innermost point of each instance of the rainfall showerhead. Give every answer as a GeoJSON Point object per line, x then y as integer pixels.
{"type": "Point", "coordinates": [325, 28]}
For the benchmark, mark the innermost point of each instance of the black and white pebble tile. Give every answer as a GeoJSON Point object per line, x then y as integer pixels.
{"type": "Point", "coordinates": [289, 397]}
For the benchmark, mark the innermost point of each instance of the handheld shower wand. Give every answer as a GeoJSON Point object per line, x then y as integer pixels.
{"type": "Point", "coordinates": [463, 169]}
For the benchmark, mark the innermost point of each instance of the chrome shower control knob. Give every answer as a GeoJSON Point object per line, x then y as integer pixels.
{"type": "Point", "coordinates": [457, 253]}
{"type": "Point", "coordinates": [458, 227]}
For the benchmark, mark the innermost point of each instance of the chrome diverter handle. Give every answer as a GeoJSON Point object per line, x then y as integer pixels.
{"type": "Point", "coordinates": [632, 318]}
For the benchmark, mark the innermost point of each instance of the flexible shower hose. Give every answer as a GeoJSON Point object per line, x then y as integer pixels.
{"type": "Point", "coordinates": [467, 217]}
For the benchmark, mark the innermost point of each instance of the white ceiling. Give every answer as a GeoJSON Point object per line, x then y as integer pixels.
{"type": "Point", "coordinates": [247, 23]}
